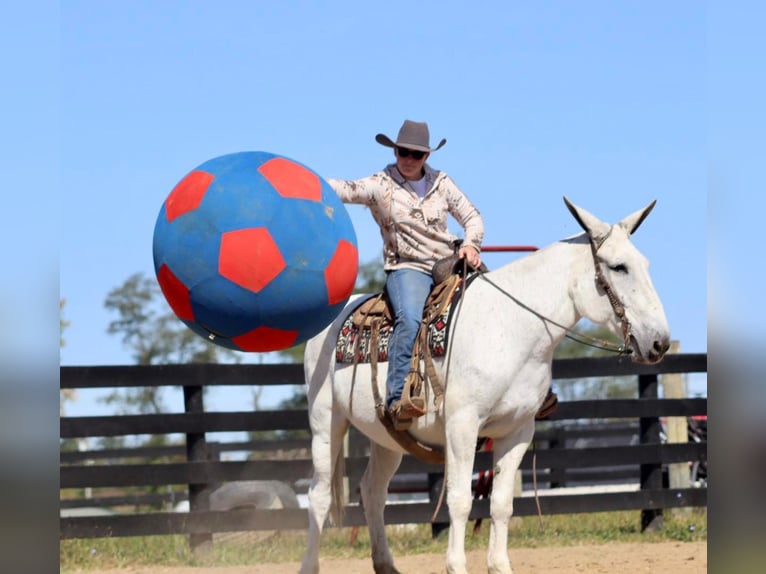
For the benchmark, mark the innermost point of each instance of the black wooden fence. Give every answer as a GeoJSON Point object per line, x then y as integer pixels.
{"type": "Point", "coordinates": [201, 471]}
{"type": "Point", "coordinates": [608, 433]}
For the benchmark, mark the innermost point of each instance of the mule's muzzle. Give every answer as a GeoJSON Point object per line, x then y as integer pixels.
{"type": "Point", "coordinates": [652, 355]}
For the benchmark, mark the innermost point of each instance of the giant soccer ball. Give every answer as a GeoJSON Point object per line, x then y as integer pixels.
{"type": "Point", "coordinates": [255, 252]}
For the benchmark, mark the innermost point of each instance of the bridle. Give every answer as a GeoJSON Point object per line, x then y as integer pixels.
{"type": "Point", "coordinates": [614, 301]}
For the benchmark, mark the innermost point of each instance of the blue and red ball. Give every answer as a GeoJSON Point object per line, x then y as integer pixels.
{"type": "Point", "coordinates": [255, 252]}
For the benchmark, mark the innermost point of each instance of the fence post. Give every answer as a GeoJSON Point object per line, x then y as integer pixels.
{"type": "Point", "coordinates": [196, 451]}
{"type": "Point", "coordinates": [678, 431]}
{"type": "Point", "coordinates": [651, 473]}
{"type": "Point", "coordinates": [556, 475]}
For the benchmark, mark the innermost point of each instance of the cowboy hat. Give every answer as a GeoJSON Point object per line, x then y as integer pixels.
{"type": "Point", "coordinates": [412, 135]}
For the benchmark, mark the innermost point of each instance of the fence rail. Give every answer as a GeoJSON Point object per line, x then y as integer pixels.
{"type": "Point", "coordinates": [190, 375]}
{"type": "Point", "coordinates": [200, 472]}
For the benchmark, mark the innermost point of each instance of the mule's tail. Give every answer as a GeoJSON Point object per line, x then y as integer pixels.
{"type": "Point", "coordinates": [338, 490]}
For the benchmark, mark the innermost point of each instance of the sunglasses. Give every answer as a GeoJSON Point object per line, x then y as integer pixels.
{"type": "Point", "coordinates": [404, 152]}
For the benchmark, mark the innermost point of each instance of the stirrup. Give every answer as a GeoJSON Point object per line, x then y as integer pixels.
{"type": "Point", "coordinates": [404, 410]}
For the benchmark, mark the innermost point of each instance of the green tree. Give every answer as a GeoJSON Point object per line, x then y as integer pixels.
{"type": "Point", "coordinates": [63, 323]}
{"type": "Point", "coordinates": [65, 395]}
{"type": "Point", "coordinates": [150, 329]}
{"type": "Point", "coordinates": [155, 335]}
{"type": "Point", "coordinates": [371, 277]}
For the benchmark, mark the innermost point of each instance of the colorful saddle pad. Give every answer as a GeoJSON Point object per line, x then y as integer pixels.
{"type": "Point", "coordinates": [349, 332]}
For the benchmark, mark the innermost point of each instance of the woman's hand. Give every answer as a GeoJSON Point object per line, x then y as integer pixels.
{"type": "Point", "coordinates": [471, 255]}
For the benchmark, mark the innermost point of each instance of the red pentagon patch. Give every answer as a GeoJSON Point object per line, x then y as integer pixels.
{"type": "Point", "coordinates": [291, 179]}
{"type": "Point", "coordinates": [187, 194]}
{"type": "Point", "coordinates": [250, 258]}
{"type": "Point", "coordinates": [176, 293]}
{"type": "Point", "coordinates": [340, 273]}
{"type": "Point", "coordinates": [265, 339]}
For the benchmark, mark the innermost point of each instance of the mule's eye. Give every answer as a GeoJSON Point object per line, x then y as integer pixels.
{"type": "Point", "coordinates": [619, 268]}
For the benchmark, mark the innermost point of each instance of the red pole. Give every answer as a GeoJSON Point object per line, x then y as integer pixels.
{"type": "Point", "coordinates": [491, 248]}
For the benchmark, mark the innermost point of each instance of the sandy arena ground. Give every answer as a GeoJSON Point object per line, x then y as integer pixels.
{"type": "Point", "coordinates": [676, 557]}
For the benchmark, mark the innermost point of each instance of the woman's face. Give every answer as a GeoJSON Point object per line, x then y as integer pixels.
{"type": "Point", "coordinates": [410, 162]}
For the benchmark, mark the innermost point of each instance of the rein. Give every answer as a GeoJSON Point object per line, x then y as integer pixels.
{"type": "Point", "coordinates": [584, 338]}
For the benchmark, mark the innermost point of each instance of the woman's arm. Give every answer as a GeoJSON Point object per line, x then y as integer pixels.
{"type": "Point", "coordinates": [361, 191]}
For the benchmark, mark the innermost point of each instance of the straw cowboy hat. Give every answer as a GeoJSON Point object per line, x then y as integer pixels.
{"type": "Point", "coordinates": [412, 135]}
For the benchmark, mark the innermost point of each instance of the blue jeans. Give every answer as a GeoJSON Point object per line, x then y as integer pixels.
{"type": "Point", "coordinates": [407, 291]}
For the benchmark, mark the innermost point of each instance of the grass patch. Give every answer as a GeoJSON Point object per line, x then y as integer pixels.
{"type": "Point", "coordinates": [288, 546]}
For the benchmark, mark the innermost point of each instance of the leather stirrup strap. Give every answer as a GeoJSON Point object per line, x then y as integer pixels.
{"type": "Point", "coordinates": [357, 346]}
{"type": "Point", "coordinates": [422, 452]}
{"type": "Point", "coordinates": [374, 332]}
{"type": "Point", "coordinates": [434, 310]}
{"type": "Point", "coordinates": [431, 377]}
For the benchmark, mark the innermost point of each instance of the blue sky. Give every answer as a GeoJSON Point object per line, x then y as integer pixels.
{"type": "Point", "coordinates": [604, 102]}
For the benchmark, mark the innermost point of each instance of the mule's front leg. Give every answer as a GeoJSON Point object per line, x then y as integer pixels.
{"type": "Point", "coordinates": [462, 432]}
{"type": "Point", "coordinates": [374, 489]}
{"type": "Point", "coordinates": [508, 453]}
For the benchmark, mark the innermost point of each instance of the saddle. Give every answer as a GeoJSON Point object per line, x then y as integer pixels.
{"type": "Point", "coordinates": [373, 316]}
{"type": "Point", "coordinates": [373, 312]}
{"type": "Point", "coordinates": [376, 314]}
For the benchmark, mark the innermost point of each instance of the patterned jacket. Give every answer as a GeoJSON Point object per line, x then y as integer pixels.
{"type": "Point", "coordinates": [414, 230]}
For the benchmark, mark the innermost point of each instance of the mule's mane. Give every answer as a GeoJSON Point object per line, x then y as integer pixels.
{"type": "Point", "coordinates": [578, 238]}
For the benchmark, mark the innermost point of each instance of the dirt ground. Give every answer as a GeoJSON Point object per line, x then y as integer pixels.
{"type": "Point", "coordinates": [676, 557]}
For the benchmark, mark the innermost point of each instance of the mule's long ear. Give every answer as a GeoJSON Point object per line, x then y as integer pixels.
{"type": "Point", "coordinates": [592, 225]}
{"type": "Point", "coordinates": [633, 220]}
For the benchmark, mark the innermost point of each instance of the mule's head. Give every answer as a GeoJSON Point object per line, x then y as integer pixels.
{"type": "Point", "coordinates": [617, 291]}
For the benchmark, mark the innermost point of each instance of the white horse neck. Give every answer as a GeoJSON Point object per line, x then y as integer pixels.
{"type": "Point", "coordinates": [532, 297]}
